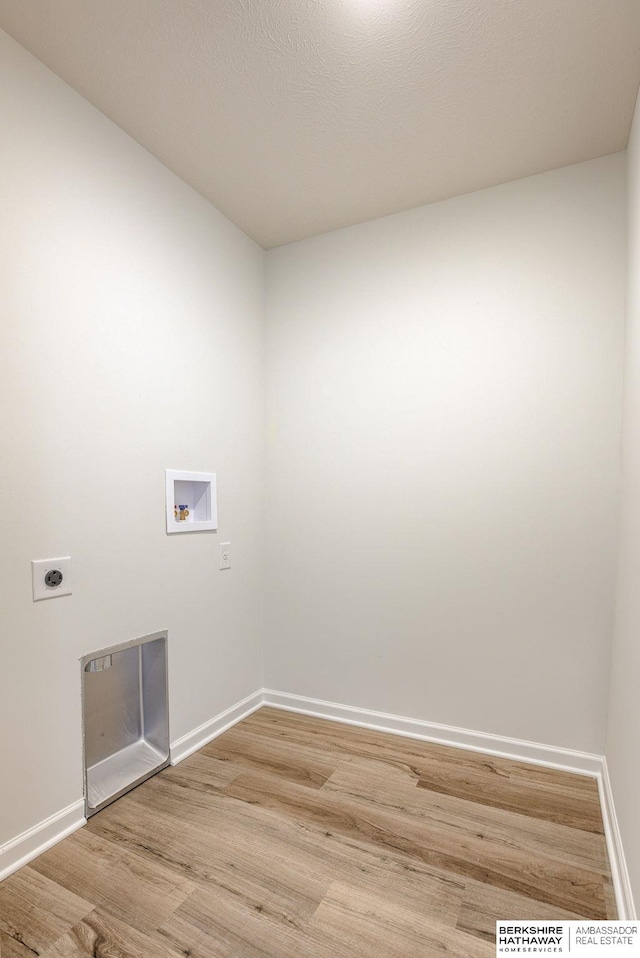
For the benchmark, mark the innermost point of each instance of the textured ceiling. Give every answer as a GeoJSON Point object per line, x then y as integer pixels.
{"type": "Point", "coordinates": [295, 117]}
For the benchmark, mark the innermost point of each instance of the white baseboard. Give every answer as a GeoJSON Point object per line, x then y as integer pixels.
{"type": "Point", "coordinates": [583, 763]}
{"type": "Point", "coordinates": [36, 840]}
{"type": "Point", "coordinates": [192, 741]}
{"type": "Point", "coordinates": [619, 871]}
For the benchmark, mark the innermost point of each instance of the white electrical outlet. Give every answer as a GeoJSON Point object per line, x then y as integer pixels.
{"type": "Point", "coordinates": [225, 555]}
{"type": "Point", "coordinates": [51, 577]}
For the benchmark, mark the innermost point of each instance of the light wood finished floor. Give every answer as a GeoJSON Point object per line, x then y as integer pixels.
{"type": "Point", "coordinates": [294, 837]}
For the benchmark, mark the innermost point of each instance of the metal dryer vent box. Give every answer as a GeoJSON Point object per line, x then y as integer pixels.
{"type": "Point", "coordinates": [125, 717]}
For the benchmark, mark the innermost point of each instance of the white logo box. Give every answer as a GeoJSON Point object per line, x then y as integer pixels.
{"type": "Point", "coordinates": [584, 939]}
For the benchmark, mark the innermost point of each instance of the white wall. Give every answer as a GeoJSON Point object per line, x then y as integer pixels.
{"type": "Point", "coordinates": [623, 743]}
{"type": "Point", "coordinates": [132, 318]}
{"type": "Point", "coordinates": [443, 429]}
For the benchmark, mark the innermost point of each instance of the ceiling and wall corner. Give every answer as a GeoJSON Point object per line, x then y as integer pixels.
{"type": "Point", "coordinates": [296, 117]}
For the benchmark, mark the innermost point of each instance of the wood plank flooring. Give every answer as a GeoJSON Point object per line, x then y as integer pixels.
{"type": "Point", "coordinates": [294, 837]}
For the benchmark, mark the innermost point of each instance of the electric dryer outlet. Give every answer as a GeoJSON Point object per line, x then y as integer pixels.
{"type": "Point", "coordinates": [51, 578]}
